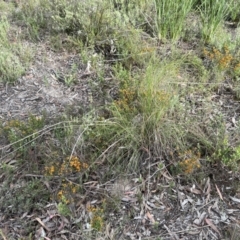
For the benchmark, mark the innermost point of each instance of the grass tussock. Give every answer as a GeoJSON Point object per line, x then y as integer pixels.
{"type": "Point", "coordinates": [170, 18]}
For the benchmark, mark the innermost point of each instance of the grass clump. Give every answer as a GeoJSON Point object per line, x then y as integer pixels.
{"type": "Point", "coordinates": [35, 15]}
{"type": "Point", "coordinates": [95, 25]}
{"type": "Point", "coordinates": [192, 67]}
{"type": "Point", "coordinates": [6, 8]}
{"type": "Point", "coordinates": [213, 14]}
{"type": "Point", "coordinates": [170, 18]}
{"type": "Point", "coordinates": [14, 58]}
{"type": "Point", "coordinates": [156, 97]}
{"type": "Point", "coordinates": [234, 14]}
{"type": "Point", "coordinates": [88, 22]}
{"type": "Point", "coordinates": [139, 113]}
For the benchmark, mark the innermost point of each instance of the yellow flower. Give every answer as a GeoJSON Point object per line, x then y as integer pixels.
{"type": "Point", "coordinates": [50, 170]}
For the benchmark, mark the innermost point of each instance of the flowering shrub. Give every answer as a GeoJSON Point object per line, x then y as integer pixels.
{"type": "Point", "coordinates": [69, 165]}
{"type": "Point", "coordinates": [190, 161]}
{"type": "Point", "coordinates": [223, 58]}
{"type": "Point", "coordinates": [126, 100]}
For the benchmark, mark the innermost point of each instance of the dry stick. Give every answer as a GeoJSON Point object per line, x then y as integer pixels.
{"type": "Point", "coordinates": [195, 228]}
{"type": "Point", "coordinates": [3, 236]}
{"type": "Point", "coordinates": [73, 149]}
{"type": "Point", "coordinates": [172, 234]}
{"type": "Point", "coordinates": [106, 151]}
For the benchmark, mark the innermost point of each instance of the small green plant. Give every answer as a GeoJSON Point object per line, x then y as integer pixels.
{"type": "Point", "coordinates": [66, 195]}
{"type": "Point", "coordinates": [63, 208]}
{"type": "Point", "coordinates": [97, 218]}
{"type": "Point", "coordinates": [19, 133]}
{"type": "Point", "coordinates": [236, 69]}
{"type": "Point", "coordinates": [22, 198]}
{"type": "Point", "coordinates": [229, 157]}
{"type": "Point", "coordinates": [236, 154]}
